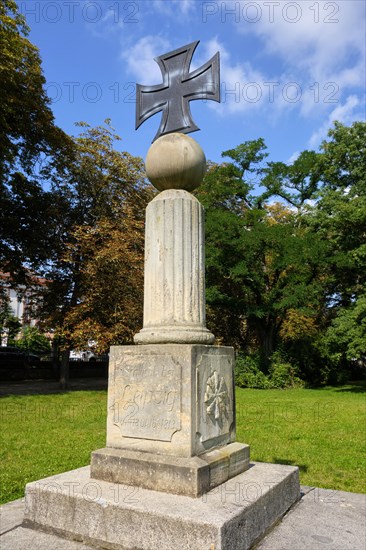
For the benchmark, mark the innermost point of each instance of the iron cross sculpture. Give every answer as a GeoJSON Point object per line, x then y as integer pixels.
{"type": "Point", "coordinates": [179, 87]}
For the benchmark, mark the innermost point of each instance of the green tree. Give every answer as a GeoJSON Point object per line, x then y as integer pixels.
{"type": "Point", "coordinates": [340, 218]}
{"type": "Point", "coordinates": [110, 309]}
{"type": "Point", "coordinates": [9, 325]}
{"type": "Point", "coordinates": [29, 139]}
{"type": "Point", "coordinates": [341, 209]}
{"type": "Point", "coordinates": [226, 196]}
{"type": "Point", "coordinates": [27, 129]}
{"type": "Point", "coordinates": [263, 265]}
{"type": "Point", "coordinates": [104, 195]}
{"type": "Point", "coordinates": [346, 335]}
{"type": "Point", "coordinates": [289, 277]}
{"type": "Point", "coordinates": [296, 183]}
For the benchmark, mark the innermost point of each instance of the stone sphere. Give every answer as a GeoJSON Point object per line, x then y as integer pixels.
{"type": "Point", "coordinates": [175, 161]}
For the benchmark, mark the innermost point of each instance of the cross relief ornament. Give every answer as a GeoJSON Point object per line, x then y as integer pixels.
{"type": "Point", "coordinates": [179, 87]}
{"type": "Point", "coordinates": [216, 396]}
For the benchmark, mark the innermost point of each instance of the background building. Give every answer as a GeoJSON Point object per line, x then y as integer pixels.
{"type": "Point", "coordinates": [20, 301]}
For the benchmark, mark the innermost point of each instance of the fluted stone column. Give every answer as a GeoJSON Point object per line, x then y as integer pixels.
{"type": "Point", "coordinates": [174, 294]}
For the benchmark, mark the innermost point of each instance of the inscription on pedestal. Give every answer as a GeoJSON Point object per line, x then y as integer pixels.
{"type": "Point", "coordinates": [147, 403]}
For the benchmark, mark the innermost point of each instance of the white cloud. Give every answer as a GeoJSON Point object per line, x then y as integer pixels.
{"type": "Point", "coordinates": [139, 58]}
{"type": "Point", "coordinates": [345, 113]}
{"type": "Point", "coordinates": [293, 157]}
{"type": "Point", "coordinates": [322, 63]}
{"type": "Point", "coordinates": [325, 41]}
{"type": "Point", "coordinates": [317, 46]}
{"type": "Point", "coordinates": [186, 6]}
{"type": "Point", "coordinates": [242, 87]}
{"type": "Point", "coordinates": [245, 89]}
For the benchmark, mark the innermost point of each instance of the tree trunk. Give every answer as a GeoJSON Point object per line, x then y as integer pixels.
{"type": "Point", "coordinates": [64, 370]}
{"type": "Point", "coordinates": [55, 359]}
{"type": "Point", "coordinates": [266, 332]}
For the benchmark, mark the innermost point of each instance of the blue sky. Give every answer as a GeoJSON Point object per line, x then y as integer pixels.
{"type": "Point", "coordinates": [288, 69]}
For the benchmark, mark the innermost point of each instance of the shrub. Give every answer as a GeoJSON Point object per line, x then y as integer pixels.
{"type": "Point", "coordinates": [283, 374]}
{"type": "Point", "coordinates": [248, 373]}
{"type": "Point", "coordinates": [34, 341]}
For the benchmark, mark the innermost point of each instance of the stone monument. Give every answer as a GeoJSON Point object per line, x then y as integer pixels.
{"type": "Point", "coordinates": [171, 404]}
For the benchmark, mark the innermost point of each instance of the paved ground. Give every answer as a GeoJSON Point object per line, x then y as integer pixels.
{"type": "Point", "coordinates": [322, 520]}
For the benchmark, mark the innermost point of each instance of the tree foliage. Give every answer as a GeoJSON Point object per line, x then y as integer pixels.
{"type": "Point", "coordinates": [26, 120]}
{"type": "Point", "coordinates": [340, 217]}
{"type": "Point", "coordinates": [288, 277]}
{"type": "Point", "coordinates": [33, 340]}
{"type": "Point", "coordinates": [65, 203]}
{"type": "Point", "coordinates": [110, 309]}
{"type": "Point", "coordinates": [96, 266]}
{"type": "Point", "coordinates": [29, 139]}
{"type": "Point", "coordinates": [262, 264]}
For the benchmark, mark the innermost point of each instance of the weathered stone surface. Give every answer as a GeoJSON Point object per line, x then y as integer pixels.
{"type": "Point", "coordinates": [215, 396]}
{"type": "Point", "coordinates": [173, 399]}
{"type": "Point", "coordinates": [174, 288]}
{"type": "Point", "coordinates": [230, 517]}
{"type": "Point", "coordinates": [181, 476]}
{"type": "Point", "coordinates": [149, 403]}
{"type": "Point", "coordinates": [11, 515]}
{"type": "Point", "coordinates": [30, 539]}
{"type": "Point", "coordinates": [227, 462]}
{"type": "Point", "coordinates": [175, 161]}
{"type": "Point", "coordinates": [323, 518]}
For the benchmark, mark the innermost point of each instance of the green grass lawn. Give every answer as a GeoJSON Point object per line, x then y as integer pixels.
{"type": "Point", "coordinates": [42, 435]}
{"type": "Point", "coordinates": [322, 431]}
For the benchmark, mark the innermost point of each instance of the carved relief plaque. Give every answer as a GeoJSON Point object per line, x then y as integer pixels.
{"type": "Point", "coordinates": [216, 396]}
{"type": "Point", "coordinates": [147, 397]}
{"type": "Point", "coordinates": [215, 399]}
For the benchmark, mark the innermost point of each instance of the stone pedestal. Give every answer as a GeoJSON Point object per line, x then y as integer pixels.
{"type": "Point", "coordinates": [192, 477]}
{"type": "Point", "coordinates": [171, 419]}
{"type": "Point", "coordinates": [172, 399]}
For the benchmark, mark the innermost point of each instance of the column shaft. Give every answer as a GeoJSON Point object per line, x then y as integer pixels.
{"type": "Point", "coordinates": [174, 294]}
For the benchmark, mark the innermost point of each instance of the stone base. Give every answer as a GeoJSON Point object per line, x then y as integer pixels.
{"type": "Point", "coordinates": [233, 516]}
{"type": "Point", "coordinates": [180, 476]}
{"type": "Point", "coordinates": [171, 399]}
